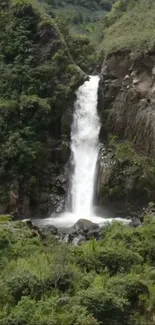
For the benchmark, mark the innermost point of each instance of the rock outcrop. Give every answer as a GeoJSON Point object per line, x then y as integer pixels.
{"type": "Point", "coordinates": [127, 110]}
{"type": "Point", "coordinates": [127, 103]}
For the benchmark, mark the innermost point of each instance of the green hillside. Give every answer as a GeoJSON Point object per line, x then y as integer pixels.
{"type": "Point", "coordinates": [37, 79]}
{"type": "Point", "coordinates": [105, 282]}
{"type": "Point", "coordinates": [80, 15]}
{"type": "Point", "coordinates": [129, 25]}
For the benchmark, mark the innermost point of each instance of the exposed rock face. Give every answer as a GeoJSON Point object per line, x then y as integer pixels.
{"type": "Point", "coordinates": [116, 186]}
{"type": "Point", "coordinates": [54, 179]}
{"type": "Point", "coordinates": [127, 99]}
{"type": "Point", "coordinates": [127, 110]}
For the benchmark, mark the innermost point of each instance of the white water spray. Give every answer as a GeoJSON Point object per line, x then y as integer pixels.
{"type": "Point", "coordinates": [85, 148]}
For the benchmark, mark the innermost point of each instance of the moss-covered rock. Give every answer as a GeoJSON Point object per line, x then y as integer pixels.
{"type": "Point", "coordinates": [126, 178]}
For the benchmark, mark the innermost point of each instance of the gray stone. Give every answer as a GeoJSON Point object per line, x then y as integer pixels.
{"type": "Point", "coordinates": [135, 222]}
{"type": "Point", "coordinates": [49, 229]}
{"type": "Point", "coordinates": [27, 222]}
{"type": "Point", "coordinates": [66, 240]}
{"type": "Point", "coordinates": [93, 233]}
{"type": "Point", "coordinates": [78, 240]}
{"type": "Point", "coordinates": [85, 225]}
{"type": "Point", "coordinates": [151, 205]}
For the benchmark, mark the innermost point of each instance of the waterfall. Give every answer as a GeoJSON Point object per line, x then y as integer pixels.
{"type": "Point", "coordinates": [85, 148]}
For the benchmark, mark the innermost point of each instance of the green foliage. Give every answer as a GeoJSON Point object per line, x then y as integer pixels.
{"type": "Point", "coordinates": [132, 178]}
{"type": "Point", "coordinates": [108, 282]}
{"type": "Point", "coordinates": [80, 46]}
{"type": "Point", "coordinates": [24, 284]}
{"type": "Point", "coordinates": [105, 306]}
{"type": "Point", "coordinates": [107, 257]}
{"type": "Point", "coordinates": [92, 5]}
{"type": "Point", "coordinates": [81, 15]}
{"type": "Point", "coordinates": [35, 86]}
{"type": "Point", "coordinates": [5, 218]}
{"type": "Point", "coordinates": [128, 26]}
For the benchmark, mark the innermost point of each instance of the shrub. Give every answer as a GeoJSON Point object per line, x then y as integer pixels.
{"type": "Point", "coordinates": [108, 308]}
{"type": "Point", "coordinates": [114, 259]}
{"type": "Point", "coordinates": [24, 284]}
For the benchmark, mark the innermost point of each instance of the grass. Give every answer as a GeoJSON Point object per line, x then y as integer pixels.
{"type": "Point", "coordinates": [135, 29]}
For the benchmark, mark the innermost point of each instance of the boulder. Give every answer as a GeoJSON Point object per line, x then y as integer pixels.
{"type": "Point", "coordinates": [49, 230]}
{"type": "Point", "coordinates": [85, 225]}
{"type": "Point", "coordinates": [135, 222]}
{"type": "Point", "coordinates": [93, 233]}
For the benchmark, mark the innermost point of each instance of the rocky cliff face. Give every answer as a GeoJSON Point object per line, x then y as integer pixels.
{"type": "Point", "coordinates": [129, 99]}
{"type": "Point", "coordinates": [127, 109]}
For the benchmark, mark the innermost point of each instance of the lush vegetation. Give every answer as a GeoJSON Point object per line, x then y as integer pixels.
{"type": "Point", "coordinates": [90, 4]}
{"type": "Point", "coordinates": [80, 46]}
{"type": "Point", "coordinates": [106, 282]}
{"type": "Point", "coordinates": [129, 25]}
{"type": "Point", "coordinates": [81, 15]}
{"type": "Point", "coordinates": [132, 177]}
{"type": "Point", "coordinates": [37, 79]}
{"type": "Point", "coordinates": [43, 282]}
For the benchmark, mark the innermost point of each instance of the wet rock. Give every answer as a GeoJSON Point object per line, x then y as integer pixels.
{"type": "Point", "coordinates": [135, 222]}
{"type": "Point", "coordinates": [93, 233]}
{"type": "Point", "coordinates": [148, 211]}
{"type": "Point", "coordinates": [67, 238]}
{"type": "Point", "coordinates": [49, 229]}
{"type": "Point", "coordinates": [78, 240]}
{"type": "Point", "coordinates": [27, 222]}
{"type": "Point", "coordinates": [85, 225]}
{"type": "Point", "coordinates": [105, 170]}
{"type": "Point", "coordinates": [151, 205]}
{"type": "Point", "coordinates": [57, 202]}
{"type": "Point", "coordinates": [60, 153]}
{"type": "Point", "coordinates": [3, 208]}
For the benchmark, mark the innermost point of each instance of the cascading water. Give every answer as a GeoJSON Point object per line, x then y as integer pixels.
{"type": "Point", "coordinates": [85, 148]}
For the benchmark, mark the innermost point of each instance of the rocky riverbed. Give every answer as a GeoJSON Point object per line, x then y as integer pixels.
{"type": "Point", "coordinates": [84, 230]}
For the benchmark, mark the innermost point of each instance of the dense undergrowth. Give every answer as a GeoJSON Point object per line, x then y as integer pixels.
{"type": "Point", "coordinates": [38, 78]}
{"type": "Point", "coordinates": [106, 282]}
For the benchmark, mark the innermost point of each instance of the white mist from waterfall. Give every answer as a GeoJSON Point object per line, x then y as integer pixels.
{"type": "Point", "coordinates": [85, 148]}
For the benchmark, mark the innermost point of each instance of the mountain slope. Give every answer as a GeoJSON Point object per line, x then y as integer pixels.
{"type": "Point", "coordinates": [37, 82]}
{"type": "Point", "coordinates": [80, 14]}
{"type": "Point", "coordinates": [130, 25]}
{"type": "Point", "coordinates": [128, 103]}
